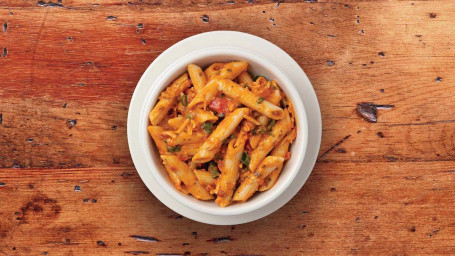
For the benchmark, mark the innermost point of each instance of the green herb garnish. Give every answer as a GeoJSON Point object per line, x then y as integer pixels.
{"type": "Point", "coordinates": [173, 149]}
{"type": "Point", "coordinates": [184, 100]}
{"type": "Point", "coordinates": [258, 130]}
{"type": "Point", "coordinates": [232, 136]}
{"type": "Point", "coordinates": [229, 70]}
{"type": "Point", "coordinates": [213, 169]}
{"type": "Point", "coordinates": [270, 125]}
{"type": "Point", "coordinates": [255, 78]}
{"type": "Point", "coordinates": [207, 127]}
{"type": "Point", "coordinates": [260, 100]}
{"type": "Point", "coordinates": [245, 159]}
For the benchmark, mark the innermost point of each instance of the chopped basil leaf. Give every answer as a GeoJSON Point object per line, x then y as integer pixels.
{"type": "Point", "coordinates": [229, 70]}
{"type": "Point", "coordinates": [258, 130]}
{"type": "Point", "coordinates": [184, 100]}
{"type": "Point", "coordinates": [213, 169]}
{"type": "Point", "coordinates": [207, 127]}
{"type": "Point", "coordinates": [173, 149]}
{"type": "Point", "coordinates": [190, 116]}
{"type": "Point", "coordinates": [274, 87]}
{"type": "Point", "coordinates": [245, 159]}
{"type": "Point", "coordinates": [255, 78]}
{"type": "Point", "coordinates": [260, 100]}
{"type": "Point", "coordinates": [232, 136]}
{"type": "Point", "coordinates": [270, 125]}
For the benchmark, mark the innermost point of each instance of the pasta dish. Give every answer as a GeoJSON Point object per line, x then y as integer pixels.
{"type": "Point", "coordinates": [221, 133]}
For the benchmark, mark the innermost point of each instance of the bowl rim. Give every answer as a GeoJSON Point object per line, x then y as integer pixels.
{"type": "Point", "coordinates": [256, 44]}
{"type": "Point", "coordinates": [285, 84]}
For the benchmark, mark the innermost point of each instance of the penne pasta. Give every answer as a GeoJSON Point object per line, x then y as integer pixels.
{"type": "Point", "coordinates": [202, 116]}
{"type": "Point", "coordinates": [155, 132]}
{"type": "Point", "coordinates": [176, 122]}
{"type": "Point", "coordinates": [245, 79]}
{"type": "Point", "coordinates": [281, 150]}
{"type": "Point", "coordinates": [176, 180]}
{"type": "Point", "coordinates": [275, 99]}
{"type": "Point", "coordinates": [198, 77]}
{"type": "Point", "coordinates": [190, 150]}
{"type": "Point", "coordinates": [228, 70]}
{"type": "Point", "coordinates": [186, 176]}
{"type": "Point", "coordinates": [206, 95]}
{"type": "Point", "coordinates": [230, 170]}
{"type": "Point", "coordinates": [167, 99]}
{"type": "Point", "coordinates": [201, 125]}
{"type": "Point", "coordinates": [239, 93]}
{"type": "Point", "coordinates": [213, 144]}
{"type": "Point", "coordinates": [204, 177]}
{"type": "Point", "coordinates": [279, 130]}
{"type": "Point", "coordinates": [211, 70]}
{"type": "Point", "coordinates": [251, 184]}
{"type": "Point", "coordinates": [184, 138]}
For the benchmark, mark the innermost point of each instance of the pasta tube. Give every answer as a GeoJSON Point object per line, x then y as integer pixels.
{"type": "Point", "coordinates": [155, 132]}
{"type": "Point", "coordinates": [280, 150]}
{"type": "Point", "coordinates": [198, 77]}
{"type": "Point", "coordinates": [230, 170]}
{"type": "Point", "coordinates": [239, 93]}
{"type": "Point", "coordinates": [228, 70]}
{"type": "Point", "coordinates": [204, 177]}
{"type": "Point", "coordinates": [250, 185]}
{"type": "Point", "coordinates": [167, 99]}
{"type": "Point", "coordinates": [245, 79]}
{"type": "Point", "coordinates": [213, 144]}
{"type": "Point", "coordinates": [281, 128]}
{"type": "Point", "coordinates": [187, 176]}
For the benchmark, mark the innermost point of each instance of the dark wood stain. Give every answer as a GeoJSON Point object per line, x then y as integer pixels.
{"type": "Point", "coordinates": [205, 18]}
{"type": "Point", "coordinates": [222, 239]}
{"type": "Point", "coordinates": [334, 146]}
{"type": "Point", "coordinates": [144, 238]}
{"type": "Point", "coordinates": [70, 123]}
{"type": "Point", "coordinates": [369, 111]}
{"type": "Point", "coordinates": [49, 4]}
{"type": "Point", "coordinates": [41, 206]}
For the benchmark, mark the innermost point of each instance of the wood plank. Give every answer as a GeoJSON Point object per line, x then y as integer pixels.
{"type": "Point", "coordinates": [77, 58]}
{"type": "Point", "coordinates": [344, 208]}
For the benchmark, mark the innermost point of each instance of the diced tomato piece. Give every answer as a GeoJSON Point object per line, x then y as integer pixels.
{"type": "Point", "coordinates": [248, 146]}
{"type": "Point", "coordinates": [220, 105]}
{"type": "Point", "coordinates": [287, 156]}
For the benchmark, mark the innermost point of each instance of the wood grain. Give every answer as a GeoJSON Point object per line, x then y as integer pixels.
{"type": "Point", "coordinates": [344, 208]}
{"type": "Point", "coordinates": [68, 71]}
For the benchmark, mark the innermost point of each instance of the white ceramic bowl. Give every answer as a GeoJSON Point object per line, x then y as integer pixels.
{"type": "Point", "coordinates": [146, 156]}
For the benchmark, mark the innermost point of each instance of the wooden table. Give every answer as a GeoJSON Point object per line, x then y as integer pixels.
{"type": "Point", "coordinates": [68, 185]}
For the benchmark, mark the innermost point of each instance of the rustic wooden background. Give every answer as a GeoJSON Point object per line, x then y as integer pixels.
{"type": "Point", "coordinates": [67, 182]}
